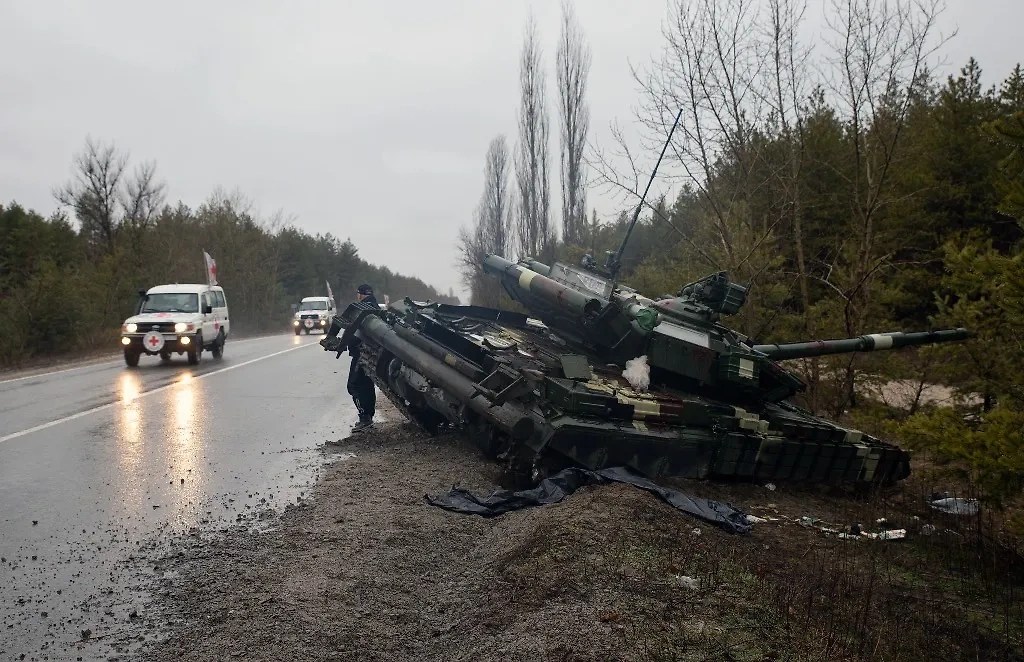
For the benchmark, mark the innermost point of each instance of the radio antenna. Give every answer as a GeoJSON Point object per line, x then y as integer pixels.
{"type": "Point", "coordinates": [614, 260]}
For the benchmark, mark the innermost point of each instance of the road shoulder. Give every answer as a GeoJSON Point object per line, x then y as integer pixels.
{"type": "Point", "coordinates": [367, 569]}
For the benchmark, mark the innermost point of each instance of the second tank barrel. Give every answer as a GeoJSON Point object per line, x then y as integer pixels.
{"type": "Point", "coordinates": [865, 343]}
{"type": "Point", "coordinates": [519, 277]}
{"type": "Point", "coordinates": [537, 266]}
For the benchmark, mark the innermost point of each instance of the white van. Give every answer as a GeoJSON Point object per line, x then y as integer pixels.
{"type": "Point", "coordinates": [314, 313]}
{"type": "Point", "coordinates": [177, 319]}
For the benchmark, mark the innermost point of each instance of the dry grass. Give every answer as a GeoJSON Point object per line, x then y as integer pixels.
{"type": "Point", "coordinates": [676, 589]}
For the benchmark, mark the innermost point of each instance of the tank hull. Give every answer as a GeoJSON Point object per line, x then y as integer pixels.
{"type": "Point", "coordinates": [532, 400]}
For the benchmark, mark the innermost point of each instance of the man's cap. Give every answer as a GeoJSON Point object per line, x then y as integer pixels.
{"type": "Point", "coordinates": [365, 289]}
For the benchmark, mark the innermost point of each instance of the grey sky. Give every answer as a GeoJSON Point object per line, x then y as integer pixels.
{"type": "Point", "coordinates": [365, 119]}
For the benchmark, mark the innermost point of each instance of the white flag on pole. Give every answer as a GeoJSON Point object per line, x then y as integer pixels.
{"type": "Point", "coordinates": [211, 269]}
{"type": "Point", "coordinates": [330, 294]}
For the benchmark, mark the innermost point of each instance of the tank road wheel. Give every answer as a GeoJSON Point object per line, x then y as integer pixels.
{"type": "Point", "coordinates": [494, 443]}
{"type": "Point", "coordinates": [516, 473]}
{"type": "Point", "coordinates": [428, 419]}
{"type": "Point", "coordinates": [547, 465]}
{"type": "Point", "coordinates": [491, 441]}
{"type": "Point", "coordinates": [131, 357]}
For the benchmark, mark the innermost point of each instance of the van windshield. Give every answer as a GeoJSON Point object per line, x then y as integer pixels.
{"type": "Point", "coordinates": [313, 305]}
{"type": "Point", "coordinates": [171, 303]}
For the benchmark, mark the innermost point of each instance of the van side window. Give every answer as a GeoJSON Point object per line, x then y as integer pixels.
{"type": "Point", "coordinates": [219, 296]}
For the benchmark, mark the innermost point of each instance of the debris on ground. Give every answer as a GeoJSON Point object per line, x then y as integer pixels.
{"type": "Point", "coordinates": [855, 531]}
{"type": "Point", "coordinates": [956, 505]}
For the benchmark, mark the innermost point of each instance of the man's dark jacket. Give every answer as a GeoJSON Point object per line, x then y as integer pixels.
{"type": "Point", "coordinates": [354, 343]}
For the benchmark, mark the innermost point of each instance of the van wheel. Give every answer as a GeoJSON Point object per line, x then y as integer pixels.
{"type": "Point", "coordinates": [196, 352]}
{"type": "Point", "coordinates": [298, 331]}
{"type": "Point", "coordinates": [218, 347]}
{"type": "Point", "coordinates": [165, 356]}
{"type": "Point", "coordinates": [131, 358]}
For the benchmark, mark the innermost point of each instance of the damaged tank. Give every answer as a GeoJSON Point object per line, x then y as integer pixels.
{"type": "Point", "coordinates": [598, 375]}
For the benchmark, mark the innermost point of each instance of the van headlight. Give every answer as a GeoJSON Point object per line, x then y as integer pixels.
{"type": "Point", "coordinates": [131, 327]}
{"type": "Point", "coordinates": [181, 327]}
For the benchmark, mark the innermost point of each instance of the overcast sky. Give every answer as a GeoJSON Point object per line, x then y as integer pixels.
{"type": "Point", "coordinates": [366, 119]}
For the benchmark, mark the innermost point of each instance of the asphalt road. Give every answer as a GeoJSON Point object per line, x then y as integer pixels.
{"type": "Point", "coordinates": [100, 463]}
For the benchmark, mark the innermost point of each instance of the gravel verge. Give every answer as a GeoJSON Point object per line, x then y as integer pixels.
{"type": "Point", "coordinates": [365, 569]}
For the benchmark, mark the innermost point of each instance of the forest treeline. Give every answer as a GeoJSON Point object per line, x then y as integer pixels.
{"type": "Point", "coordinates": [850, 188]}
{"type": "Point", "coordinates": [67, 286]}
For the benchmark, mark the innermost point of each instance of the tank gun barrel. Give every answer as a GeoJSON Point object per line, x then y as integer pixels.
{"type": "Point", "coordinates": [519, 278]}
{"type": "Point", "coordinates": [508, 416]}
{"type": "Point", "coordinates": [866, 343]}
{"type": "Point", "coordinates": [539, 267]}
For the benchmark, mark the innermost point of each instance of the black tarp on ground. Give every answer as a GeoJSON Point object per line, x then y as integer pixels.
{"type": "Point", "coordinates": [555, 488]}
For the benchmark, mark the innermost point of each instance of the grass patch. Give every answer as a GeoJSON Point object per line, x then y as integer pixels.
{"type": "Point", "coordinates": [674, 588]}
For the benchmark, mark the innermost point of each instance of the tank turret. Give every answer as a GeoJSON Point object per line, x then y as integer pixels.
{"type": "Point", "coordinates": [681, 336]}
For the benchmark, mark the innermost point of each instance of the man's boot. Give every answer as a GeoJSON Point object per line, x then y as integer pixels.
{"type": "Point", "coordinates": [363, 424]}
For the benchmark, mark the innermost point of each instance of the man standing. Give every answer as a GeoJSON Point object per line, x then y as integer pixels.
{"type": "Point", "coordinates": [360, 386]}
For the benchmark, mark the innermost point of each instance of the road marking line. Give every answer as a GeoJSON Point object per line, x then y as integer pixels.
{"type": "Point", "coordinates": [80, 414]}
{"type": "Point", "coordinates": [58, 372]}
{"type": "Point", "coordinates": [103, 363]}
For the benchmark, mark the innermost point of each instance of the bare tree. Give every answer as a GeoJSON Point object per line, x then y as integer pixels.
{"type": "Point", "coordinates": [471, 249]}
{"type": "Point", "coordinates": [142, 198]}
{"type": "Point", "coordinates": [93, 192]}
{"type": "Point", "coordinates": [877, 55]}
{"type": "Point", "coordinates": [105, 200]}
{"type": "Point", "coordinates": [741, 76]}
{"type": "Point", "coordinates": [788, 82]}
{"type": "Point", "coordinates": [473, 246]}
{"type": "Point", "coordinates": [496, 200]}
{"type": "Point", "coordinates": [712, 70]}
{"type": "Point", "coordinates": [533, 219]}
{"type": "Point", "coordinates": [572, 68]}
{"type": "Point", "coordinates": [490, 230]}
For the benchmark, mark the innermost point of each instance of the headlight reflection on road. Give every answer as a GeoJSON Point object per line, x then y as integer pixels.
{"type": "Point", "coordinates": [130, 387]}
{"type": "Point", "coordinates": [184, 446]}
{"type": "Point", "coordinates": [128, 427]}
{"type": "Point", "coordinates": [182, 408]}
{"type": "Point", "coordinates": [160, 445]}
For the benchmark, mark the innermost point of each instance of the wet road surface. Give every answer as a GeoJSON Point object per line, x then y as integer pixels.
{"type": "Point", "coordinates": [100, 463]}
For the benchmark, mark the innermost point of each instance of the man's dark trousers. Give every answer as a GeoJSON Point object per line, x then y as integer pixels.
{"type": "Point", "coordinates": [360, 387]}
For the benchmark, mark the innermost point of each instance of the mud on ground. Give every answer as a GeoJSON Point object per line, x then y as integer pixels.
{"type": "Point", "coordinates": [367, 570]}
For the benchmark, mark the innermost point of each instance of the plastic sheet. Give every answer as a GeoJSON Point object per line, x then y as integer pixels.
{"type": "Point", "coordinates": [555, 488]}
